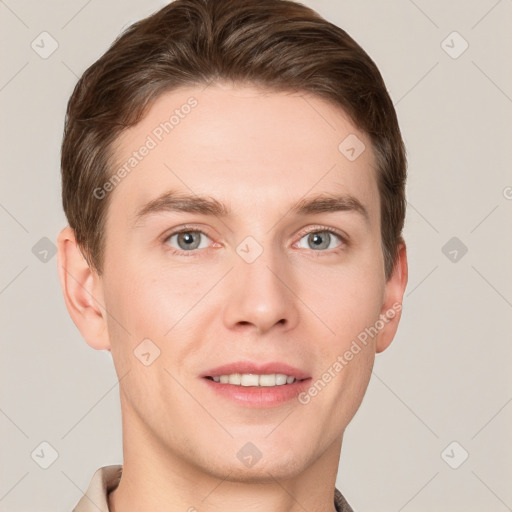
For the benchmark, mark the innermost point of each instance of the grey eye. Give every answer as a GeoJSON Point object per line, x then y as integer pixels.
{"type": "Point", "coordinates": [188, 240]}
{"type": "Point", "coordinates": [318, 240]}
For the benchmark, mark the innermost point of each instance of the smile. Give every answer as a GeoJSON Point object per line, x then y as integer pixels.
{"type": "Point", "coordinates": [251, 379]}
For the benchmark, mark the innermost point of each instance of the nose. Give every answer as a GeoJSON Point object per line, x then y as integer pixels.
{"type": "Point", "coordinates": [260, 295]}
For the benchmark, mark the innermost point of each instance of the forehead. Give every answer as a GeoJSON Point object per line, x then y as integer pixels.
{"type": "Point", "coordinates": [246, 146]}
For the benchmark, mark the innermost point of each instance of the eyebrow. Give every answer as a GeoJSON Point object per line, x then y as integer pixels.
{"type": "Point", "coordinates": [172, 201]}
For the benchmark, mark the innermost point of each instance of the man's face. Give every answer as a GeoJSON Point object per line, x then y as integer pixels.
{"type": "Point", "coordinates": [254, 285]}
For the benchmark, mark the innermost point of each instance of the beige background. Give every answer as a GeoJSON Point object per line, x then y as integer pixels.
{"type": "Point", "coordinates": [446, 377]}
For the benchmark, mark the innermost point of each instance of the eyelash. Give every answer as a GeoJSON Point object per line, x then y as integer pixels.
{"type": "Point", "coordinates": [315, 229]}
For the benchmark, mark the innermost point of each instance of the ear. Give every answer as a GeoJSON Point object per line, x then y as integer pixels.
{"type": "Point", "coordinates": [83, 291]}
{"type": "Point", "coordinates": [393, 297]}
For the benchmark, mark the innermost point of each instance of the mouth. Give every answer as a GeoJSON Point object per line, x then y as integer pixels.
{"type": "Point", "coordinates": [257, 385]}
{"type": "Point", "coordinates": [255, 380]}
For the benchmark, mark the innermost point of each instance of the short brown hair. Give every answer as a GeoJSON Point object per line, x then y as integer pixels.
{"type": "Point", "coordinates": [281, 45]}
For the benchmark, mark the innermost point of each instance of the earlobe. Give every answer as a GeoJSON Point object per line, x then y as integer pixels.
{"type": "Point", "coordinates": [393, 297]}
{"type": "Point", "coordinates": [83, 292]}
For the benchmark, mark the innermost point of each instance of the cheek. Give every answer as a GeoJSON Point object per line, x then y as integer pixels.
{"type": "Point", "coordinates": [346, 302]}
{"type": "Point", "coordinates": [358, 306]}
{"type": "Point", "coordinates": [157, 305]}
{"type": "Point", "coordinates": [143, 302]}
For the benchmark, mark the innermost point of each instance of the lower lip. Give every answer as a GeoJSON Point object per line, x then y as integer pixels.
{"type": "Point", "coordinates": [259, 396]}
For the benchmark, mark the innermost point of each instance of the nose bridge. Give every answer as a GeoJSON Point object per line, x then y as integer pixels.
{"type": "Point", "coordinates": [260, 287]}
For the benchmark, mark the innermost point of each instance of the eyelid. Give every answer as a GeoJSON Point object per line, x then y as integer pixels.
{"type": "Point", "coordinates": [185, 228]}
{"type": "Point", "coordinates": [319, 227]}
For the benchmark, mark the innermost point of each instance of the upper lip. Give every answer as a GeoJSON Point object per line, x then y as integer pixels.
{"type": "Point", "coordinates": [255, 368]}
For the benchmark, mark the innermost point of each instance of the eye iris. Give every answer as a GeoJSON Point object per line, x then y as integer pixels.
{"type": "Point", "coordinates": [315, 238]}
{"type": "Point", "coordinates": [188, 237]}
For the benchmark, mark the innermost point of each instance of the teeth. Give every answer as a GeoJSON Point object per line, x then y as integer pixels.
{"type": "Point", "coordinates": [248, 379]}
{"type": "Point", "coordinates": [251, 379]}
{"type": "Point", "coordinates": [236, 379]}
{"type": "Point", "coordinates": [267, 380]}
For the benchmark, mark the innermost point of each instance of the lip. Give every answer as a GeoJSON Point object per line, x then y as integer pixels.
{"type": "Point", "coordinates": [254, 368]}
{"type": "Point", "coordinates": [259, 397]}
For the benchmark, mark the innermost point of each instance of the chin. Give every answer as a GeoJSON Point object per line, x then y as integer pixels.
{"type": "Point", "coordinates": [260, 473]}
{"type": "Point", "coordinates": [263, 467]}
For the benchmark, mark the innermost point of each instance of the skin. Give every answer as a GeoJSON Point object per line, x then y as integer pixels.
{"type": "Point", "coordinates": [259, 152]}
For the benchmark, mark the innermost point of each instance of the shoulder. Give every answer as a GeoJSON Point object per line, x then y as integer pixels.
{"type": "Point", "coordinates": [340, 502]}
{"type": "Point", "coordinates": [104, 480]}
